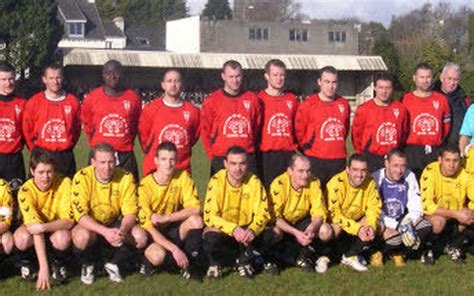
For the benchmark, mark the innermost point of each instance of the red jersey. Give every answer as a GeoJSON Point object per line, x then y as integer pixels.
{"type": "Point", "coordinates": [227, 121]}
{"type": "Point", "coordinates": [159, 123]}
{"type": "Point", "coordinates": [278, 131]}
{"type": "Point", "coordinates": [321, 127]}
{"type": "Point", "coordinates": [11, 117]}
{"type": "Point", "coordinates": [52, 125]}
{"type": "Point", "coordinates": [112, 120]}
{"type": "Point", "coordinates": [379, 129]}
{"type": "Point", "coordinates": [429, 119]}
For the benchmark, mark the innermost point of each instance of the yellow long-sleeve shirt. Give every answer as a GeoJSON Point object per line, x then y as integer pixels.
{"type": "Point", "coordinates": [179, 193]}
{"type": "Point", "coordinates": [103, 202]}
{"type": "Point", "coordinates": [227, 207]}
{"type": "Point", "coordinates": [451, 193]}
{"type": "Point", "coordinates": [292, 206]}
{"type": "Point", "coordinates": [347, 205]}
{"type": "Point", "coordinates": [38, 206]}
{"type": "Point", "coordinates": [6, 203]}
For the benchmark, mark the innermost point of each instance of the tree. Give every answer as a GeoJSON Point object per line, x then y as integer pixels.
{"type": "Point", "coordinates": [217, 10]}
{"type": "Point", "coordinates": [268, 11]}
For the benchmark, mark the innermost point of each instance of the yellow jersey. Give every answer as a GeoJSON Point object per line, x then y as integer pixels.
{"type": "Point", "coordinates": [438, 191]}
{"type": "Point", "coordinates": [292, 206]}
{"type": "Point", "coordinates": [180, 193]}
{"type": "Point", "coordinates": [38, 206]}
{"type": "Point", "coordinates": [227, 207]}
{"type": "Point", "coordinates": [347, 204]}
{"type": "Point", "coordinates": [104, 202]}
{"type": "Point", "coordinates": [6, 203]}
{"type": "Point", "coordinates": [469, 162]}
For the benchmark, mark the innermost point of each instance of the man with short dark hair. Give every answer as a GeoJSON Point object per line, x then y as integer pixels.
{"type": "Point", "coordinates": [380, 124]}
{"type": "Point", "coordinates": [52, 121]}
{"type": "Point", "coordinates": [354, 206]}
{"type": "Point", "coordinates": [447, 194]}
{"type": "Point", "coordinates": [322, 126]}
{"type": "Point", "coordinates": [278, 142]}
{"type": "Point", "coordinates": [110, 114]}
{"type": "Point", "coordinates": [236, 211]}
{"type": "Point", "coordinates": [430, 118]}
{"type": "Point", "coordinates": [169, 211]}
{"type": "Point", "coordinates": [104, 201]}
{"type": "Point", "coordinates": [230, 116]}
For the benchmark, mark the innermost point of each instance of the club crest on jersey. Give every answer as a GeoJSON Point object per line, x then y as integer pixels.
{"type": "Point", "coordinates": [67, 109]}
{"type": "Point", "coordinates": [290, 105]}
{"type": "Point", "coordinates": [186, 115]}
{"type": "Point", "coordinates": [126, 105]}
{"type": "Point", "coordinates": [436, 104]}
{"type": "Point", "coordinates": [17, 110]}
{"type": "Point", "coordinates": [396, 112]}
{"type": "Point", "coordinates": [247, 105]}
{"type": "Point", "coordinates": [341, 108]}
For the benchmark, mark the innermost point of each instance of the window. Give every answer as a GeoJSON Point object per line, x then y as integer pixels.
{"type": "Point", "coordinates": [76, 30]}
{"type": "Point", "coordinates": [108, 44]}
{"type": "Point", "coordinates": [337, 36]}
{"type": "Point", "coordinates": [299, 35]}
{"type": "Point", "coordinates": [258, 33]}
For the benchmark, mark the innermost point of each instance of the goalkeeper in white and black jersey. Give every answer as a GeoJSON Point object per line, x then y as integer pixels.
{"type": "Point", "coordinates": [402, 213]}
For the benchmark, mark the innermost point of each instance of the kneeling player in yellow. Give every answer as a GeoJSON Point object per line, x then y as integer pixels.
{"type": "Point", "coordinates": [104, 201]}
{"type": "Point", "coordinates": [354, 206]}
{"type": "Point", "coordinates": [45, 205]}
{"type": "Point", "coordinates": [169, 212]}
{"type": "Point", "coordinates": [300, 213]}
{"type": "Point", "coordinates": [236, 211]}
{"type": "Point", "coordinates": [6, 214]}
{"type": "Point", "coordinates": [447, 196]}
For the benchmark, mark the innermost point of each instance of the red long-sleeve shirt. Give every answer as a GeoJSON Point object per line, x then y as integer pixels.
{"type": "Point", "coordinates": [52, 125]}
{"type": "Point", "coordinates": [159, 123]}
{"type": "Point", "coordinates": [11, 117]}
{"type": "Point", "coordinates": [112, 120]}
{"type": "Point", "coordinates": [429, 119]}
{"type": "Point", "coordinates": [321, 127]}
{"type": "Point", "coordinates": [379, 129]}
{"type": "Point", "coordinates": [227, 121]}
{"type": "Point", "coordinates": [278, 131]}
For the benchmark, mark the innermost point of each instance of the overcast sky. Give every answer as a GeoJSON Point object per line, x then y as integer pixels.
{"type": "Point", "coordinates": [366, 10]}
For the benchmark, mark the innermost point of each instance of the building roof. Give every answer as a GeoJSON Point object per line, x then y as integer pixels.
{"type": "Point", "coordinates": [162, 59]}
{"type": "Point", "coordinates": [83, 11]}
{"type": "Point", "coordinates": [146, 37]}
{"type": "Point", "coordinates": [111, 30]}
{"type": "Point", "coordinates": [70, 11]}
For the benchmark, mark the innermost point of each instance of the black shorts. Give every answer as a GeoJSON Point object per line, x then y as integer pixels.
{"type": "Point", "coordinates": [271, 164]}
{"type": "Point", "coordinates": [418, 159]}
{"type": "Point", "coordinates": [325, 169]}
{"type": "Point", "coordinates": [64, 161]}
{"type": "Point", "coordinates": [12, 167]}
{"type": "Point", "coordinates": [217, 164]}
{"type": "Point", "coordinates": [127, 161]}
{"type": "Point", "coordinates": [374, 161]}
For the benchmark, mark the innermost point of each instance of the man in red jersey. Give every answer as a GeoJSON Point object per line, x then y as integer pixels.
{"type": "Point", "coordinates": [278, 142]}
{"type": "Point", "coordinates": [110, 114]}
{"type": "Point", "coordinates": [321, 127]}
{"type": "Point", "coordinates": [230, 117]}
{"type": "Point", "coordinates": [12, 167]}
{"type": "Point", "coordinates": [379, 125]}
{"type": "Point", "coordinates": [52, 121]}
{"type": "Point", "coordinates": [169, 119]}
{"type": "Point", "coordinates": [429, 120]}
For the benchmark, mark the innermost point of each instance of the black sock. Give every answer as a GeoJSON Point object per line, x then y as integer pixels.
{"type": "Point", "coordinates": [358, 247]}
{"type": "Point", "coordinates": [192, 244]}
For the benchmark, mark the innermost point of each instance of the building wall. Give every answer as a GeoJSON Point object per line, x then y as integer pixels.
{"type": "Point", "coordinates": [81, 43]}
{"type": "Point", "coordinates": [233, 36]}
{"type": "Point", "coordinates": [183, 35]}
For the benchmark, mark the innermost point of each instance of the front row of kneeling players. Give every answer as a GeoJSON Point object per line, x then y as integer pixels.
{"type": "Point", "coordinates": [295, 225]}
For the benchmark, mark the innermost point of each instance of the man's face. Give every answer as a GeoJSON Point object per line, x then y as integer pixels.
{"type": "Point", "coordinates": [112, 76]}
{"type": "Point", "coordinates": [328, 84]}
{"type": "Point", "coordinates": [449, 163]}
{"type": "Point", "coordinates": [171, 84]}
{"type": "Point", "coordinates": [53, 80]}
{"type": "Point", "coordinates": [236, 165]}
{"type": "Point", "coordinates": [383, 90]}
{"type": "Point", "coordinates": [7, 83]}
{"type": "Point", "coordinates": [165, 162]}
{"type": "Point", "coordinates": [276, 77]}
{"type": "Point", "coordinates": [423, 79]}
{"type": "Point", "coordinates": [43, 176]}
{"type": "Point", "coordinates": [104, 164]}
{"type": "Point", "coordinates": [232, 78]}
{"type": "Point", "coordinates": [300, 173]}
{"type": "Point", "coordinates": [395, 167]}
{"type": "Point", "coordinates": [449, 80]}
{"type": "Point", "coordinates": [357, 172]}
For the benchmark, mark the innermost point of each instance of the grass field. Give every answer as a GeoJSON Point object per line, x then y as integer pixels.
{"type": "Point", "coordinates": [445, 278]}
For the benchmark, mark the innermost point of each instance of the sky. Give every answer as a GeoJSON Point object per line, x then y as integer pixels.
{"type": "Point", "coordinates": [366, 10]}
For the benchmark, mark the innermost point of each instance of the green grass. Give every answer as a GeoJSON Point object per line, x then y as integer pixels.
{"type": "Point", "coordinates": [414, 279]}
